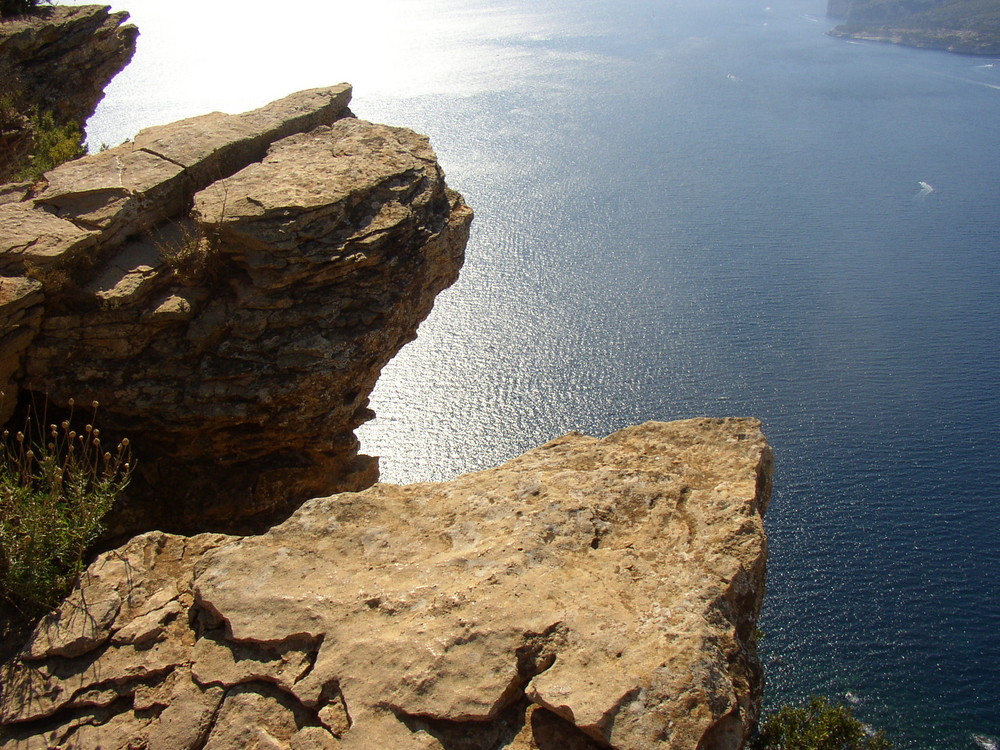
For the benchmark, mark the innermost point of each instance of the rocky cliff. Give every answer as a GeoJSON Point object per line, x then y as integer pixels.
{"type": "Point", "coordinates": [589, 594]}
{"type": "Point", "coordinates": [966, 26]}
{"type": "Point", "coordinates": [63, 57]}
{"type": "Point", "coordinates": [228, 288]}
{"type": "Point", "coordinates": [54, 66]}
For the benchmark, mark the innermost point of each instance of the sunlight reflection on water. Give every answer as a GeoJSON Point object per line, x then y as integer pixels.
{"type": "Point", "coordinates": [234, 60]}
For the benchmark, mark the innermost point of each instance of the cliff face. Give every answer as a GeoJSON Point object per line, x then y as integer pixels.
{"type": "Point", "coordinates": [63, 57]}
{"type": "Point", "coordinates": [228, 288]}
{"type": "Point", "coordinates": [55, 62]}
{"type": "Point", "coordinates": [589, 594]}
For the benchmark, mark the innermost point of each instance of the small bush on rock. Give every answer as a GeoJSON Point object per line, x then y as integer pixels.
{"type": "Point", "coordinates": [31, 141]}
{"type": "Point", "coordinates": [819, 725]}
{"type": "Point", "coordinates": [56, 485]}
{"type": "Point", "coordinates": [52, 145]}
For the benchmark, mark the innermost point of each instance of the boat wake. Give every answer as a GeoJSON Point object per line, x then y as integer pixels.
{"type": "Point", "coordinates": [925, 189]}
{"type": "Point", "coordinates": [986, 743]}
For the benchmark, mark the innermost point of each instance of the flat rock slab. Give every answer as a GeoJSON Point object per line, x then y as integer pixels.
{"type": "Point", "coordinates": [30, 236]}
{"type": "Point", "coordinates": [588, 594]}
{"type": "Point", "coordinates": [215, 145]}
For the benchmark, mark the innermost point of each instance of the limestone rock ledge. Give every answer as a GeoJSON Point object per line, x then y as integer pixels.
{"type": "Point", "coordinates": [229, 287]}
{"type": "Point", "coordinates": [588, 594]}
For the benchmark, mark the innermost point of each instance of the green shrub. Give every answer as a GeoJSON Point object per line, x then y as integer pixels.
{"type": "Point", "coordinates": [52, 145]}
{"type": "Point", "coordinates": [56, 485]}
{"type": "Point", "coordinates": [819, 725]}
{"type": "Point", "coordinates": [32, 142]}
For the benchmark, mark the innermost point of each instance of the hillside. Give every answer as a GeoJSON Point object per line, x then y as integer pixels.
{"type": "Point", "coordinates": [966, 26]}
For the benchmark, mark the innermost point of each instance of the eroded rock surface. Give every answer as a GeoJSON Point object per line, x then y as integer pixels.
{"type": "Point", "coordinates": [588, 594]}
{"type": "Point", "coordinates": [228, 288]}
{"type": "Point", "coordinates": [54, 65]}
{"type": "Point", "coordinates": [62, 57]}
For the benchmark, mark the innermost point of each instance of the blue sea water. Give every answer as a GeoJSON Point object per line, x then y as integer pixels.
{"type": "Point", "coordinates": [695, 208]}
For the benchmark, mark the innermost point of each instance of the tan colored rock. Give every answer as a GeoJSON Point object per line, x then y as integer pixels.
{"type": "Point", "coordinates": [13, 192]}
{"type": "Point", "coordinates": [588, 594]}
{"type": "Point", "coordinates": [118, 191]}
{"type": "Point", "coordinates": [17, 294]}
{"type": "Point", "coordinates": [235, 344]}
{"type": "Point", "coordinates": [187, 713]}
{"type": "Point", "coordinates": [31, 237]}
{"type": "Point", "coordinates": [217, 145]}
{"type": "Point", "coordinates": [135, 186]}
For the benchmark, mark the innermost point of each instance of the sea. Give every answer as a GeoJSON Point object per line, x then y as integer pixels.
{"type": "Point", "coordinates": [693, 208]}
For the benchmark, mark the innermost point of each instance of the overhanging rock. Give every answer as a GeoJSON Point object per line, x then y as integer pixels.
{"type": "Point", "coordinates": [228, 288]}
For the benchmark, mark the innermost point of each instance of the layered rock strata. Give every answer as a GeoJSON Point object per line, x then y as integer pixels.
{"type": "Point", "coordinates": [228, 288]}
{"type": "Point", "coordinates": [55, 62]}
{"type": "Point", "coordinates": [62, 57]}
{"type": "Point", "coordinates": [588, 594]}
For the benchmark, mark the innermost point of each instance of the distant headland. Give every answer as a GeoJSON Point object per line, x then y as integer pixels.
{"type": "Point", "coordinates": [969, 27]}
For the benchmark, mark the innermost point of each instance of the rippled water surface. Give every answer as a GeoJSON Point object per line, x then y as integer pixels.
{"type": "Point", "coordinates": [695, 208]}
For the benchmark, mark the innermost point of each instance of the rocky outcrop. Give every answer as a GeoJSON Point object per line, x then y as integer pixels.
{"type": "Point", "coordinates": [589, 594]}
{"type": "Point", "coordinates": [228, 288]}
{"type": "Point", "coordinates": [62, 57]}
{"type": "Point", "coordinates": [951, 25]}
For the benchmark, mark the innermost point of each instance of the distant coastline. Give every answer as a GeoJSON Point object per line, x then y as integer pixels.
{"type": "Point", "coordinates": [951, 25]}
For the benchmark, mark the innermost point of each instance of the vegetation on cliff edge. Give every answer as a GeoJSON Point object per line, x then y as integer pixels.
{"type": "Point", "coordinates": [32, 142]}
{"type": "Point", "coordinates": [819, 725]}
{"type": "Point", "coordinates": [56, 485]}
